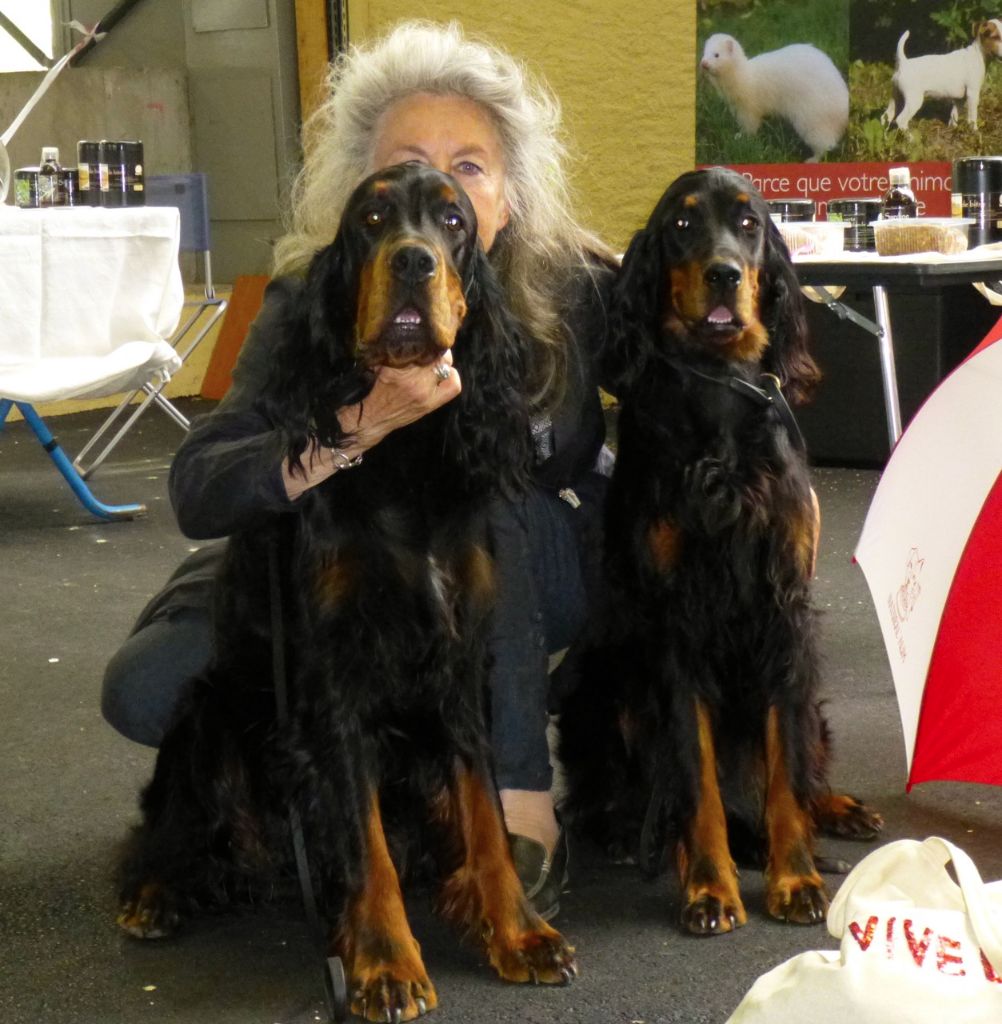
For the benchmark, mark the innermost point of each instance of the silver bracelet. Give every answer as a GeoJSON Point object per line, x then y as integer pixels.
{"type": "Point", "coordinates": [341, 461]}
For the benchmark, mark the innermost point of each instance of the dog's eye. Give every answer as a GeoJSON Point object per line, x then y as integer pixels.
{"type": "Point", "coordinates": [374, 218]}
{"type": "Point", "coordinates": [454, 222]}
{"type": "Point", "coordinates": [682, 223]}
{"type": "Point", "coordinates": [750, 224]}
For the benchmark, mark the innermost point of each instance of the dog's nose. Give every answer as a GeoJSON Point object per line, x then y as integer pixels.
{"type": "Point", "coordinates": [413, 264]}
{"type": "Point", "coordinates": [722, 275]}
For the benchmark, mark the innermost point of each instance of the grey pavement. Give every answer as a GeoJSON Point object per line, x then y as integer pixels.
{"type": "Point", "coordinates": [68, 786]}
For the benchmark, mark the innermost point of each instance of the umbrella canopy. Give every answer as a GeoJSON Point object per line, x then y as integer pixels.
{"type": "Point", "coordinates": [931, 552]}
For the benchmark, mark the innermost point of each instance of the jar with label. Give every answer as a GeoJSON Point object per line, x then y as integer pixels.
{"type": "Point", "coordinates": [858, 214]}
{"type": "Point", "coordinates": [977, 193]}
{"type": "Point", "coordinates": [120, 165]}
{"type": "Point", "coordinates": [899, 199]}
{"type": "Point", "coordinates": [26, 188]}
{"type": "Point", "coordinates": [89, 172]}
{"type": "Point", "coordinates": [797, 210]}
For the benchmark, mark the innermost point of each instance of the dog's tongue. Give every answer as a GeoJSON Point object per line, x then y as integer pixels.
{"type": "Point", "coordinates": [409, 316]}
{"type": "Point", "coordinates": [721, 315]}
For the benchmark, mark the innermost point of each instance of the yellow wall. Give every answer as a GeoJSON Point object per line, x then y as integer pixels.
{"type": "Point", "coordinates": [625, 73]}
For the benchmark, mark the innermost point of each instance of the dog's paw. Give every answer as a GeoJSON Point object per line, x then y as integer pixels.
{"type": "Point", "coordinates": [841, 815]}
{"type": "Point", "coordinates": [540, 955]}
{"type": "Point", "coordinates": [152, 914]}
{"type": "Point", "coordinates": [797, 900]}
{"type": "Point", "coordinates": [391, 992]}
{"type": "Point", "coordinates": [715, 498]}
{"type": "Point", "coordinates": [711, 914]}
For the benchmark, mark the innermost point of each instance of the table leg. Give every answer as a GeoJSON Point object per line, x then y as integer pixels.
{"type": "Point", "coordinates": [885, 340]}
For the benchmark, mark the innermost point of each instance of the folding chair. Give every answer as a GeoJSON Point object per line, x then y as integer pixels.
{"type": "Point", "coordinates": [189, 193]}
{"type": "Point", "coordinates": [87, 297]}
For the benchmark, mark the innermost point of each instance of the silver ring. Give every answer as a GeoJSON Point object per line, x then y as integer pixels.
{"type": "Point", "coordinates": [443, 372]}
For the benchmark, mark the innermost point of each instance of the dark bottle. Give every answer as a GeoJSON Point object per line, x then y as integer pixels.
{"type": "Point", "coordinates": [49, 191]}
{"type": "Point", "coordinates": [899, 199]}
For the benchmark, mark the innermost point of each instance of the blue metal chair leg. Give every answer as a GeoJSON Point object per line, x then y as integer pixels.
{"type": "Point", "coordinates": [72, 477]}
{"type": "Point", "coordinates": [5, 404]}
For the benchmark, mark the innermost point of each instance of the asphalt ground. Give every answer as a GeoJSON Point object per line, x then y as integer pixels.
{"type": "Point", "coordinates": [68, 785]}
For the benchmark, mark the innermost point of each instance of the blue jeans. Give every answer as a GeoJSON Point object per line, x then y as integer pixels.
{"type": "Point", "coordinates": [541, 607]}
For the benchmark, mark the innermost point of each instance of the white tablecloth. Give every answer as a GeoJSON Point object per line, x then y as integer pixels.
{"type": "Point", "coordinates": [87, 300]}
{"type": "Point", "coordinates": [77, 284]}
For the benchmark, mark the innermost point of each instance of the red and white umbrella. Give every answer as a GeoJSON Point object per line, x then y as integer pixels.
{"type": "Point", "coordinates": [931, 552]}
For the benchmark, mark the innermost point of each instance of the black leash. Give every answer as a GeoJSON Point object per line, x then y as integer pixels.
{"type": "Point", "coordinates": [335, 986]}
{"type": "Point", "coordinates": [651, 849]}
{"type": "Point", "coordinates": [770, 395]}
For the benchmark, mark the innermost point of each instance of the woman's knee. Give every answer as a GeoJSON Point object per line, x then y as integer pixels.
{"type": "Point", "coordinates": [147, 676]}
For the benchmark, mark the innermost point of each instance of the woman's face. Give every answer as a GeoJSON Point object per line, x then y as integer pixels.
{"type": "Point", "coordinates": [454, 135]}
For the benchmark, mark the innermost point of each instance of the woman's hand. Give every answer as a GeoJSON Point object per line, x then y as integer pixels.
{"type": "Point", "coordinates": [399, 396]}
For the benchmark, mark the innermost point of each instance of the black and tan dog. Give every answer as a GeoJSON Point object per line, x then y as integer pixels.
{"type": "Point", "coordinates": [387, 582]}
{"type": "Point", "coordinates": [699, 709]}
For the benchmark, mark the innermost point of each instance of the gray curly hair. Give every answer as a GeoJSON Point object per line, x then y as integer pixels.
{"type": "Point", "coordinates": [542, 244]}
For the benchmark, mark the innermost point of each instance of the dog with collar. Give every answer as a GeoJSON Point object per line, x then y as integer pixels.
{"type": "Point", "coordinates": [696, 733]}
{"type": "Point", "coordinates": [957, 75]}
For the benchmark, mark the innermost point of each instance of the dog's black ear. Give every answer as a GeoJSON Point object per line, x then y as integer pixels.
{"type": "Point", "coordinates": [488, 435]}
{"type": "Point", "coordinates": [313, 371]}
{"type": "Point", "coordinates": [635, 309]}
{"type": "Point", "coordinates": [784, 315]}
{"type": "Point", "coordinates": [336, 378]}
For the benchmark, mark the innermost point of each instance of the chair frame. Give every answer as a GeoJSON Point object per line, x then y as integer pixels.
{"type": "Point", "coordinates": [153, 389]}
{"type": "Point", "coordinates": [63, 464]}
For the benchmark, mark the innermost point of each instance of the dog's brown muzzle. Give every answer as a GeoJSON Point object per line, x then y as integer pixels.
{"type": "Point", "coordinates": [410, 305]}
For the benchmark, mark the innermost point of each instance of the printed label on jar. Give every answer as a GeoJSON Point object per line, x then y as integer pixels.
{"type": "Point", "coordinates": [26, 192]}
{"type": "Point", "coordinates": [48, 190]}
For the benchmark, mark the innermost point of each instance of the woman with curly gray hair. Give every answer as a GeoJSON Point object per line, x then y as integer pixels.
{"type": "Point", "coordinates": [426, 93]}
{"type": "Point", "coordinates": [541, 245]}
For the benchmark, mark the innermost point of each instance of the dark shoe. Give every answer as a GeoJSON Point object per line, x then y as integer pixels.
{"type": "Point", "coordinates": [543, 878]}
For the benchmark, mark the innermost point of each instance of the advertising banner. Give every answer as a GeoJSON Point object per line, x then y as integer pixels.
{"type": "Point", "coordinates": [819, 98]}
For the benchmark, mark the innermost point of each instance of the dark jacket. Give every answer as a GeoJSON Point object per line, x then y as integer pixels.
{"type": "Point", "coordinates": [227, 473]}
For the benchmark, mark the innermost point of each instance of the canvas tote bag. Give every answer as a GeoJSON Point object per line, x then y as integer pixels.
{"type": "Point", "coordinates": [916, 946]}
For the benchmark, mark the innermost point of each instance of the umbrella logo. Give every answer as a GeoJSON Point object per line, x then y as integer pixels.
{"type": "Point", "coordinates": [901, 603]}
{"type": "Point", "coordinates": [908, 593]}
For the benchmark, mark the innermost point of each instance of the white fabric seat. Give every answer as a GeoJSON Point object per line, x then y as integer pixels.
{"type": "Point", "coordinates": [57, 378]}
{"type": "Point", "coordinates": [88, 297]}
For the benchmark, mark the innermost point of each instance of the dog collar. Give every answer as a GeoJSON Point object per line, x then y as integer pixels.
{"type": "Point", "coordinates": [770, 395]}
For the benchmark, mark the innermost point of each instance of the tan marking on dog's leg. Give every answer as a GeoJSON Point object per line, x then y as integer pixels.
{"type": "Point", "coordinates": [663, 541]}
{"type": "Point", "coordinates": [382, 958]}
{"type": "Point", "coordinates": [794, 890]}
{"type": "Point", "coordinates": [840, 814]}
{"type": "Point", "coordinates": [707, 873]}
{"type": "Point", "coordinates": [335, 583]}
{"type": "Point", "coordinates": [484, 897]}
{"type": "Point", "coordinates": [803, 532]}
{"type": "Point", "coordinates": [151, 915]}
{"type": "Point", "coordinates": [476, 576]}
